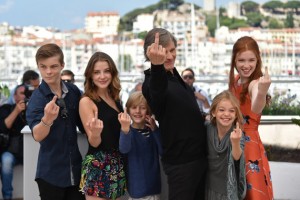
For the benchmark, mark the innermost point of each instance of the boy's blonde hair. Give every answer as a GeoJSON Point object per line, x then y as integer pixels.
{"type": "Point", "coordinates": [135, 99]}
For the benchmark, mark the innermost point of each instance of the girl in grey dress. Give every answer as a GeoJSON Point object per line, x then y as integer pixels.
{"type": "Point", "coordinates": [226, 165]}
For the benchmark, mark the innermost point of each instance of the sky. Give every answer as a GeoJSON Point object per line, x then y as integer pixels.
{"type": "Point", "coordinates": [69, 14]}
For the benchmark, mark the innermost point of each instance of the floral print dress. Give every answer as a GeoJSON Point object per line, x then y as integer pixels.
{"type": "Point", "coordinates": [258, 175]}
{"type": "Point", "coordinates": [103, 173]}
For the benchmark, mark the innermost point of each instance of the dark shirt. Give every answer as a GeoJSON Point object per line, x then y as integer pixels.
{"type": "Point", "coordinates": [59, 160]}
{"type": "Point", "coordinates": [174, 105]}
{"type": "Point", "coordinates": [111, 127]}
{"type": "Point", "coordinates": [142, 152]}
{"type": "Point", "coordinates": [14, 133]}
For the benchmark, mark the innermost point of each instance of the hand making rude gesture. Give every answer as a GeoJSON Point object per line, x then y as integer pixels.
{"type": "Point", "coordinates": [264, 82]}
{"type": "Point", "coordinates": [236, 134]}
{"type": "Point", "coordinates": [51, 111]}
{"type": "Point", "coordinates": [125, 121]}
{"type": "Point", "coordinates": [95, 125]}
{"type": "Point", "coordinates": [156, 53]}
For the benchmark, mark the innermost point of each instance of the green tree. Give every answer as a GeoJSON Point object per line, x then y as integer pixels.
{"type": "Point", "coordinates": [4, 91]}
{"type": "Point", "coordinates": [238, 24]}
{"type": "Point", "coordinates": [274, 24]}
{"type": "Point", "coordinates": [222, 11]}
{"type": "Point", "coordinates": [11, 32]}
{"type": "Point", "coordinates": [125, 24]}
{"type": "Point", "coordinates": [296, 121]}
{"type": "Point", "coordinates": [289, 21]}
{"type": "Point", "coordinates": [142, 35]}
{"type": "Point", "coordinates": [211, 23]}
{"type": "Point", "coordinates": [169, 4]}
{"type": "Point", "coordinates": [127, 20]}
{"type": "Point", "coordinates": [254, 19]}
{"type": "Point", "coordinates": [175, 3]}
{"type": "Point", "coordinates": [226, 21]}
{"type": "Point", "coordinates": [233, 23]}
{"type": "Point", "coordinates": [273, 6]}
{"type": "Point", "coordinates": [294, 5]}
{"type": "Point", "coordinates": [128, 62]}
{"type": "Point", "coordinates": [249, 7]}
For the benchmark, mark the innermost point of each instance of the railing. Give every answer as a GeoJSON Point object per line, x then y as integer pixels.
{"type": "Point", "coordinates": [280, 119]}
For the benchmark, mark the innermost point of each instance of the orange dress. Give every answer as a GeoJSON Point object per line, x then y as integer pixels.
{"type": "Point", "coordinates": [258, 175]}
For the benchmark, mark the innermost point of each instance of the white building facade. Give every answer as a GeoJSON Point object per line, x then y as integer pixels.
{"type": "Point", "coordinates": [144, 22]}
{"type": "Point", "coordinates": [102, 23]}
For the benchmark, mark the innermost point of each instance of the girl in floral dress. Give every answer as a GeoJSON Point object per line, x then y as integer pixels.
{"type": "Point", "coordinates": [102, 174]}
{"type": "Point", "coordinates": [250, 86]}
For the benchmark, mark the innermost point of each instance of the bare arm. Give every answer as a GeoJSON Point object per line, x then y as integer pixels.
{"type": "Point", "coordinates": [258, 90]}
{"type": "Point", "coordinates": [203, 99]}
{"type": "Point", "coordinates": [92, 125]}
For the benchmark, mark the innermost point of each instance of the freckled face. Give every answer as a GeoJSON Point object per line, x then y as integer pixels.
{"type": "Point", "coordinates": [245, 63]}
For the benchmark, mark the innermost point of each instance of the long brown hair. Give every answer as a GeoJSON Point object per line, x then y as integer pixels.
{"type": "Point", "coordinates": [114, 87]}
{"type": "Point", "coordinates": [244, 44]}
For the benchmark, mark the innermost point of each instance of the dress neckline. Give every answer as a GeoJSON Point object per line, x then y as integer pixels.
{"type": "Point", "coordinates": [110, 105]}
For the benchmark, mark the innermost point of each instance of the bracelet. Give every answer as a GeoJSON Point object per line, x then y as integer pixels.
{"type": "Point", "coordinates": [48, 125]}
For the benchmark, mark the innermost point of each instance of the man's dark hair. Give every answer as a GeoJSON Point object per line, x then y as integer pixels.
{"type": "Point", "coordinates": [17, 87]}
{"type": "Point", "coordinates": [188, 69]}
{"type": "Point", "coordinates": [29, 75]}
{"type": "Point", "coordinates": [165, 37]}
{"type": "Point", "coordinates": [68, 73]}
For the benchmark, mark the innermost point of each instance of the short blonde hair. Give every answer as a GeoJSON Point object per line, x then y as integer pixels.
{"type": "Point", "coordinates": [135, 99]}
